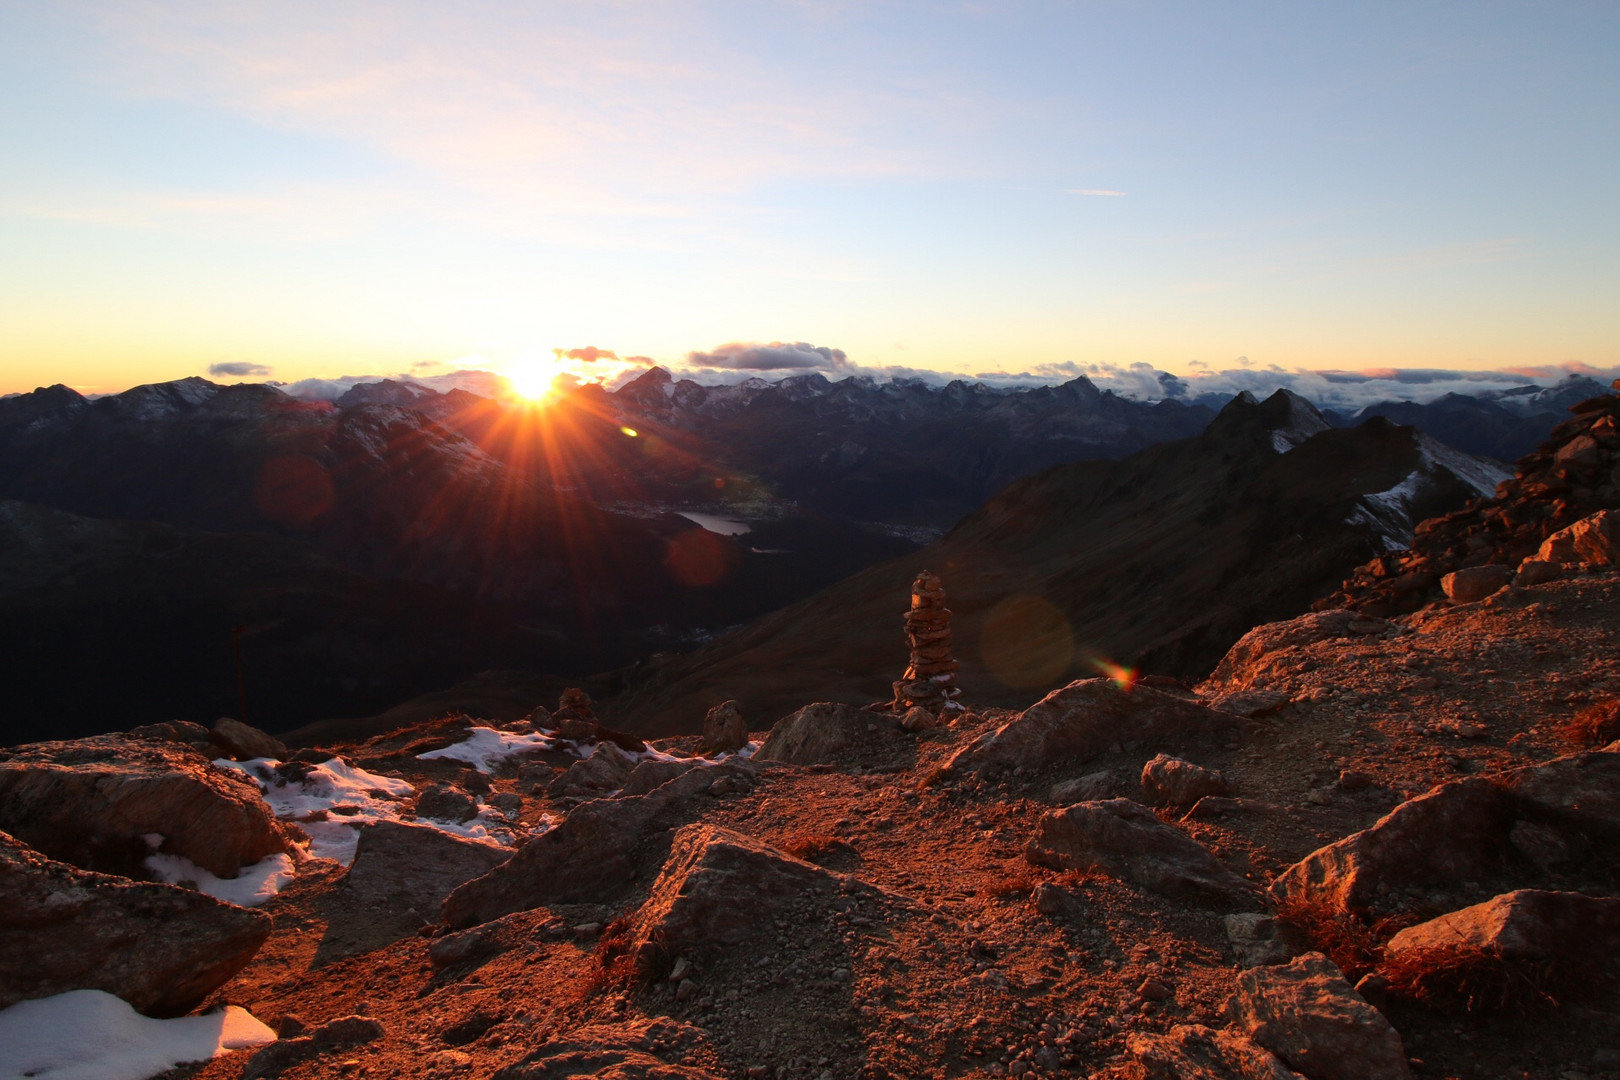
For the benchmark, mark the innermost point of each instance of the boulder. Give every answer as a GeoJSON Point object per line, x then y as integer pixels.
{"type": "Point", "coordinates": [632, 1050]}
{"type": "Point", "coordinates": [1528, 924]}
{"type": "Point", "coordinates": [1081, 721]}
{"type": "Point", "coordinates": [94, 802]}
{"type": "Point", "coordinates": [605, 770]}
{"type": "Point", "coordinates": [1581, 788]}
{"type": "Point", "coordinates": [593, 856]}
{"type": "Point", "coordinates": [1247, 659]}
{"type": "Point", "coordinates": [818, 734]}
{"type": "Point", "coordinates": [1250, 702]}
{"type": "Point", "coordinates": [716, 889]}
{"type": "Point", "coordinates": [1454, 833]}
{"type": "Point", "coordinates": [344, 1033]}
{"type": "Point", "coordinates": [724, 729]}
{"type": "Point", "coordinates": [1594, 540]}
{"type": "Point", "coordinates": [1475, 583]}
{"type": "Point", "coordinates": [400, 876]}
{"type": "Point", "coordinates": [1089, 788]}
{"type": "Point", "coordinates": [1306, 1014]}
{"type": "Point", "coordinates": [446, 804]}
{"type": "Point", "coordinates": [478, 943]}
{"type": "Point", "coordinates": [244, 742]}
{"type": "Point", "coordinates": [1195, 1052]}
{"type": "Point", "coordinates": [1257, 938]}
{"type": "Point", "coordinates": [161, 948]}
{"type": "Point", "coordinates": [1536, 572]}
{"type": "Point", "coordinates": [177, 731]}
{"type": "Point", "coordinates": [1128, 841]}
{"type": "Point", "coordinates": [1170, 781]}
{"type": "Point", "coordinates": [918, 719]}
{"type": "Point", "coordinates": [651, 775]}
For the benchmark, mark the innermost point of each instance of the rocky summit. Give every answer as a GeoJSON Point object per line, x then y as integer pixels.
{"type": "Point", "coordinates": [1364, 842]}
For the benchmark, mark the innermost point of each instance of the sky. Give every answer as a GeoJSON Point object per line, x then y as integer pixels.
{"type": "Point", "coordinates": [298, 191]}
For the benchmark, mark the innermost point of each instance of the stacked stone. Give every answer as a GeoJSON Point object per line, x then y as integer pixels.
{"type": "Point", "coordinates": [930, 679]}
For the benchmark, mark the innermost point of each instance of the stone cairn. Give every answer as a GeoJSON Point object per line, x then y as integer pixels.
{"type": "Point", "coordinates": [930, 678]}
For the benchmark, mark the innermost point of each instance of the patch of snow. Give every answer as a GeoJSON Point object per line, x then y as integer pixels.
{"type": "Point", "coordinates": [330, 804]}
{"type": "Point", "coordinates": [485, 748]}
{"type": "Point", "coordinates": [1281, 442]}
{"type": "Point", "coordinates": [335, 799]}
{"type": "Point", "coordinates": [718, 525]}
{"type": "Point", "coordinates": [252, 885]}
{"type": "Point", "coordinates": [92, 1035]}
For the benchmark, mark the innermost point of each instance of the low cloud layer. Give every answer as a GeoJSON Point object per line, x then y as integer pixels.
{"type": "Point", "coordinates": [238, 368]}
{"type": "Point", "coordinates": [1346, 391]}
{"type": "Point", "coordinates": [776, 356]}
{"type": "Point", "coordinates": [590, 354]}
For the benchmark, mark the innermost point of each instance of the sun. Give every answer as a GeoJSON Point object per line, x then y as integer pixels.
{"type": "Point", "coordinates": [531, 380]}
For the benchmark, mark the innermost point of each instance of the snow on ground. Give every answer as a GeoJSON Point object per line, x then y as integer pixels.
{"type": "Point", "coordinates": [330, 803]}
{"type": "Point", "coordinates": [335, 799]}
{"type": "Point", "coordinates": [485, 748]}
{"type": "Point", "coordinates": [251, 886]}
{"type": "Point", "coordinates": [92, 1035]}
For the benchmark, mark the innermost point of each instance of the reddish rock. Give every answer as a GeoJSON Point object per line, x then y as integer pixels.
{"type": "Point", "coordinates": [400, 876]}
{"type": "Point", "coordinates": [161, 948]}
{"type": "Point", "coordinates": [1308, 1015]}
{"type": "Point", "coordinates": [244, 742]}
{"type": "Point", "coordinates": [724, 729]}
{"type": "Point", "coordinates": [1128, 841]}
{"type": "Point", "coordinates": [1583, 788]}
{"type": "Point", "coordinates": [1454, 833]}
{"type": "Point", "coordinates": [1170, 781]}
{"type": "Point", "coordinates": [1528, 924]}
{"type": "Point", "coordinates": [820, 734]}
{"type": "Point", "coordinates": [633, 1050]}
{"type": "Point", "coordinates": [1475, 583]}
{"type": "Point", "coordinates": [1594, 540]}
{"type": "Point", "coordinates": [1195, 1052]}
{"type": "Point", "coordinates": [1534, 572]}
{"type": "Point", "coordinates": [1081, 720]}
{"type": "Point", "coordinates": [92, 802]}
{"type": "Point", "coordinates": [717, 886]}
{"type": "Point", "coordinates": [1246, 659]}
{"type": "Point", "coordinates": [593, 856]}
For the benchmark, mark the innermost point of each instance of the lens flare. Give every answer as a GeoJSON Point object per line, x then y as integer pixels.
{"type": "Point", "coordinates": [1124, 677]}
{"type": "Point", "coordinates": [630, 431]}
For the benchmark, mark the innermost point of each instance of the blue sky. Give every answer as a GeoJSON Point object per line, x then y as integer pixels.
{"type": "Point", "coordinates": [324, 189]}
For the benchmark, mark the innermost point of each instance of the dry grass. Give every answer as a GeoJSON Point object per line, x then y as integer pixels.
{"type": "Point", "coordinates": [1596, 725]}
{"type": "Point", "coordinates": [1350, 943]}
{"type": "Point", "coordinates": [618, 963]}
{"type": "Point", "coordinates": [812, 847]}
{"type": "Point", "coordinates": [1475, 979]}
{"type": "Point", "coordinates": [1012, 885]}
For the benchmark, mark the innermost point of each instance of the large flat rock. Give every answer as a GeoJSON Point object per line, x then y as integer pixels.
{"type": "Point", "coordinates": [1129, 841]}
{"type": "Point", "coordinates": [93, 803]}
{"type": "Point", "coordinates": [1308, 1015]}
{"type": "Point", "coordinates": [161, 948]}
{"type": "Point", "coordinates": [1080, 721]}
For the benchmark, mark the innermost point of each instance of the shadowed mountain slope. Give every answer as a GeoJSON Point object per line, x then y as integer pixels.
{"type": "Point", "coordinates": [1158, 561]}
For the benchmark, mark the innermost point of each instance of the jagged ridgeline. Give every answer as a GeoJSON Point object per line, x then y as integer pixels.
{"type": "Point", "coordinates": [400, 540]}
{"type": "Point", "coordinates": [1158, 562]}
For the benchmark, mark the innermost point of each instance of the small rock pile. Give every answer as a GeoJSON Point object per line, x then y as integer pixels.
{"type": "Point", "coordinates": [1572, 475]}
{"type": "Point", "coordinates": [930, 678]}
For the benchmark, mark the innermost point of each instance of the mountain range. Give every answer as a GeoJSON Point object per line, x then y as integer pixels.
{"type": "Point", "coordinates": [465, 533]}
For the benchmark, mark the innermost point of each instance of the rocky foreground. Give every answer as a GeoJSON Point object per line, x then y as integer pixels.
{"type": "Point", "coordinates": [1373, 844]}
{"type": "Point", "coordinates": [1363, 848]}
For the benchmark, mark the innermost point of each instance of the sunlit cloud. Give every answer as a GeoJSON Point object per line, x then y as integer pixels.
{"type": "Point", "coordinates": [775, 356]}
{"type": "Point", "coordinates": [1109, 192]}
{"type": "Point", "coordinates": [238, 368]}
{"type": "Point", "coordinates": [590, 354]}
